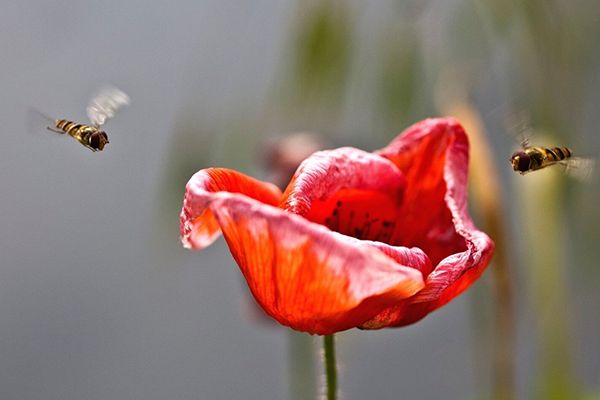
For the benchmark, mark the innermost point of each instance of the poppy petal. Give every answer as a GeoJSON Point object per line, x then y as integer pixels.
{"type": "Point", "coordinates": [459, 269]}
{"type": "Point", "coordinates": [348, 190]}
{"type": "Point", "coordinates": [301, 273]}
{"type": "Point", "coordinates": [413, 257]}
{"type": "Point", "coordinates": [203, 229]}
{"type": "Point", "coordinates": [421, 153]}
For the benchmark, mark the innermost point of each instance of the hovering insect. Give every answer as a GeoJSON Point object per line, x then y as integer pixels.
{"type": "Point", "coordinates": [533, 158]}
{"type": "Point", "coordinates": [102, 107]}
{"type": "Point", "coordinates": [530, 159]}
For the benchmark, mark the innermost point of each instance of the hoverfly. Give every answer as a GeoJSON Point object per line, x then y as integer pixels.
{"type": "Point", "coordinates": [531, 158]}
{"type": "Point", "coordinates": [102, 106]}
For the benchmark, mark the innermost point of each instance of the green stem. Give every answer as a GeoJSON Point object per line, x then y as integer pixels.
{"type": "Point", "coordinates": [330, 367]}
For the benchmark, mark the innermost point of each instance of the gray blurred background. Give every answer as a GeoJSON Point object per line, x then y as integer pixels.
{"type": "Point", "coordinates": [99, 301]}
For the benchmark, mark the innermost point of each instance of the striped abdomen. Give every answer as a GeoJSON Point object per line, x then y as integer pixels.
{"type": "Point", "coordinates": [76, 130]}
{"type": "Point", "coordinates": [544, 156]}
{"type": "Point", "coordinates": [557, 153]}
{"type": "Point", "coordinates": [88, 135]}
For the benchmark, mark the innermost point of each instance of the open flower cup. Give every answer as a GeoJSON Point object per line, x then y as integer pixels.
{"type": "Point", "coordinates": [358, 239]}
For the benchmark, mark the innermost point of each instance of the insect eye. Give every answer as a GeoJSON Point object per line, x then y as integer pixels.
{"type": "Point", "coordinates": [98, 140]}
{"type": "Point", "coordinates": [520, 161]}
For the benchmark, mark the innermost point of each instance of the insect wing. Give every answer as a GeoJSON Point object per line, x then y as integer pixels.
{"type": "Point", "coordinates": [105, 104]}
{"type": "Point", "coordinates": [519, 125]}
{"type": "Point", "coordinates": [579, 168]}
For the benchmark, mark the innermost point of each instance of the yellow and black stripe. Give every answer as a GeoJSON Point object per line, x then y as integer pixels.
{"type": "Point", "coordinates": [555, 154]}
{"type": "Point", "coordinates": [545, 156]}
{"type": "Point", "coordinates": [69, 127]}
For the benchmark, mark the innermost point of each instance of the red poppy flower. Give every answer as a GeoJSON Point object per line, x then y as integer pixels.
{"type": "Point", "coordinates": [357, 239]}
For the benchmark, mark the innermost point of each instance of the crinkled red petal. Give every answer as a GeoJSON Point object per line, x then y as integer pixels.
{"type": "Point", "coordinates": [350, 191]}
{"type": "Point", "coordinates": [301, 273]}
{"type": "Point", "coordinates": [433, 155]}
{"type": "Point", "coordinates": [201, 229]}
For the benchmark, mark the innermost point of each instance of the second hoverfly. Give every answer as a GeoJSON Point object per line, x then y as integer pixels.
{"type": "Point", "coordinates": [102, 107]}
{"type": "Point", "coordinates": [533, 158]}
{"type": "Point", "coordinates": [530, 159]}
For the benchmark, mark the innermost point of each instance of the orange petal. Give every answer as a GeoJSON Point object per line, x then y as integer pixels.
{"type": "Point", "coordinates": [199, 228]}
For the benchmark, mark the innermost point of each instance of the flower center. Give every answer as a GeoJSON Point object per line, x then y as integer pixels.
{"type": "Point", "coordinates": [363, 214]}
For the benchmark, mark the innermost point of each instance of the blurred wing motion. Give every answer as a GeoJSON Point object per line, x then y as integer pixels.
{"type": "Point", "coordinates": [519, 124]}
{"type": "Point", "coordinates": [579, 168]}
{"type": "Point", "coordinates": [105, 104]}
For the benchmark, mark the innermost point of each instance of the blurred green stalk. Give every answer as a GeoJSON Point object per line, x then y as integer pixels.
{"type": "Point", "coordinates": [543, 222]}
{"type": "Point", "coordinates": [330, 366]}
{"type": "Point", "coordinates": [486, 192]}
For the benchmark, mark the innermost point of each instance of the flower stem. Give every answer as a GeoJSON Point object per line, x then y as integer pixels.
{"type": "Point", "coordinates": [330, 367]}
